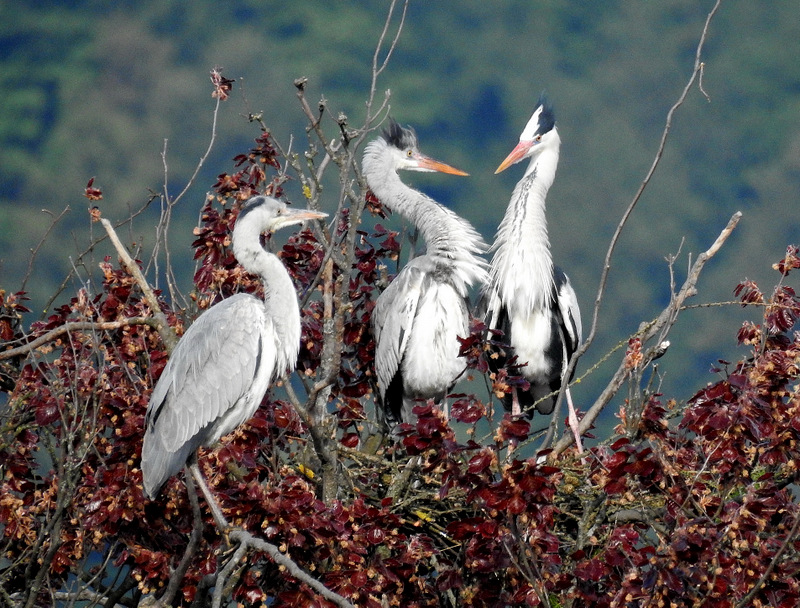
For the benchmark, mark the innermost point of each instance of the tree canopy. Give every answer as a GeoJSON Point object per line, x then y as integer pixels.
{"type": "Point", "coordinates": [679, 501]}
{"type": "Point", "coordinates": [95, 90]}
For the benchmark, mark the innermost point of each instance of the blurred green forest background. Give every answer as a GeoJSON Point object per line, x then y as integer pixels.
{"type": "Point", "coordinates": [93, 89]}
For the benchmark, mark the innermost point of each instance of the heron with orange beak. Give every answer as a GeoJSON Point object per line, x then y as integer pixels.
{"type": "Point", "coordinates": [417, 320]}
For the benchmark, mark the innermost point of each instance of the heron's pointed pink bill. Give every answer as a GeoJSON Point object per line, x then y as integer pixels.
{"type": "Point", "coordinates": [517, 154]}
{"type": "Point", "coordinates": [428, 163]}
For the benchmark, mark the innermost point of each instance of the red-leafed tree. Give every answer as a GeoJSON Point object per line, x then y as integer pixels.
{"type": "Point", "coordinates": [692, 504]}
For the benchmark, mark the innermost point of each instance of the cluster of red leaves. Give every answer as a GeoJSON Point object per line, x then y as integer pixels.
{"type": "Point", "coordinates": [710, 500]}
{"type": "Point", "coordinates": [11, 311]}
{"type": "Point", "coordinates": [217, 268]}
{"type": "Point", "coordinates": [222, 85]}
{"type": "Point", "coordinates": [688, 514]}
{"type": "Point", "coordinates": [82, 400]}
{"type": "Point", "coordinates": [92, 193]}
{"type": "Point", "coordinates": [249, 180]}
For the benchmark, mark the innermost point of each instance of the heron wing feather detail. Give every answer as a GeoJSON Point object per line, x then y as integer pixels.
{"type": "Point", "coordinates": [392, 320]}
{"type": "Point", "coordinates": [213, 367]}
{"type": "Point", "coordinates": [567, 302]}
{"type": "Point", "coordinates": [214, 381]}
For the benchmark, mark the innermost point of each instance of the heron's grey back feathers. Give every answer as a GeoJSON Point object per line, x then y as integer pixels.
{"type": "Point", "coordinates": [418, 314]}
{"type": "Point", "coordinates": [214, 381]}
{"type": "Point", "coordinates": [221, 369]}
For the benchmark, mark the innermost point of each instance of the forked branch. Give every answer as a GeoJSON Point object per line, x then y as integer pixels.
{"type": "Point", "coordinates": [659, 330]}
{"type": "Point", "coordinates": [695, 76]}
{"type": "Point", "coordinates": [163, 327]}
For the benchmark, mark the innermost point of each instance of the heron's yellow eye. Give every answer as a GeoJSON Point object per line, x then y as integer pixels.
{"type": "Point", "coordinates": [538, 138]}
{"type": "Point", "coordinates": [409, 153]}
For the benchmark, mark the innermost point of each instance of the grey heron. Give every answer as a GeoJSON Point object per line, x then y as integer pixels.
{"type": "Point", "coordinates": [420, 315]}
{"type": "Point", "coordinates": [222, 367]}
{"type": "Point", "coordinates": [528, 298]}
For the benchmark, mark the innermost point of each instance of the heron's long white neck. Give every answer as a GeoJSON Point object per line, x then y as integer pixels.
{"type": "Point", "coordinates": [280, 297]}
{"type": "Point", "coordinates": [522, 266]}
{"type": "Point", "coordinates": [452, 242]}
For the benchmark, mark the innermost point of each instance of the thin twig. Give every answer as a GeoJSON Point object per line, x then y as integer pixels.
{"type": "Point", "coordinates": [203, 158]}
{"type": "Point", "coordinates": [90, 249]}
{"type": "Point", "coordinates": [646, 181]}
{"type": "Point", "coordinates": [162, 229]}
{"type": "Point", "coordinates": [377, 71]}
{"type": "Point", "coordinates": [745, 601]}
{"type": "Point", "coordinates": [35, 250]}
{"type": "Point", "coordinates": [166, 332]}
{"type": "Point", "coordinates": [74, 326]}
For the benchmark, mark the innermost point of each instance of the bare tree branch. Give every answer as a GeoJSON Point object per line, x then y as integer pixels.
{"type": "Point", "coordinates": [248, 540]}
{"type": "Point", "coordinates": [696, 73]}
{"type": "Point", "coordinates": [67, 597]}
{"type": "Point", "coordinates": [162, 229]}
{"type": "Point", "coordinates": [74, 326]}
{"type": "Point", "coordinates": [35, 250]}
{"type": "Point", "coordinates": [378, 70]}
{"type": "Point", "coordinates": [646, 181]}
{"type": "Point", "coordinates": [658, 330]}
{"type": "Point", "coordinates": [166, 332]}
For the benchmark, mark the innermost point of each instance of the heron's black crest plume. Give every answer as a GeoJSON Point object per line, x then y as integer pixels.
{"type": "Point", "coordinates": [251, 204]}
{"type": "Point", "coordinates": [400, 137]}
{"type": "Point", "coordinates": [547, 119]}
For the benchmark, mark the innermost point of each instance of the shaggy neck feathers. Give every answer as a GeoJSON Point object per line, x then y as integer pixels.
{"type": "Point", "coordinates": [522, 265]}
{"type": "Point", "coordinates": [453, 245]}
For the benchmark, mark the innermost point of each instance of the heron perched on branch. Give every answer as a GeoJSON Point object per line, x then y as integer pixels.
{"type": "Point", "coordinates": [528, 298]}
{"type": "Point", "coordinates": [222, 367]}
{"type": "Point", "coordinates": [418, 318]}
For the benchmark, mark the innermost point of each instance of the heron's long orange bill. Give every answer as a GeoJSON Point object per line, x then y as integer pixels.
{"type": "Point", "coordinates": [301, 215]}
{"type": "Point", "coordinates": [426, 162]}
{"type": "Point", "coordinates": [517, 154]}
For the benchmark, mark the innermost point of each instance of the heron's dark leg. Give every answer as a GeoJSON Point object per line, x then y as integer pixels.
{"type": "Point", "coordinates": [516, 409]}
{"type": "Point", "coordinates": [573, 422]}
{"type": "Point", "coordinates": [216, 511]}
